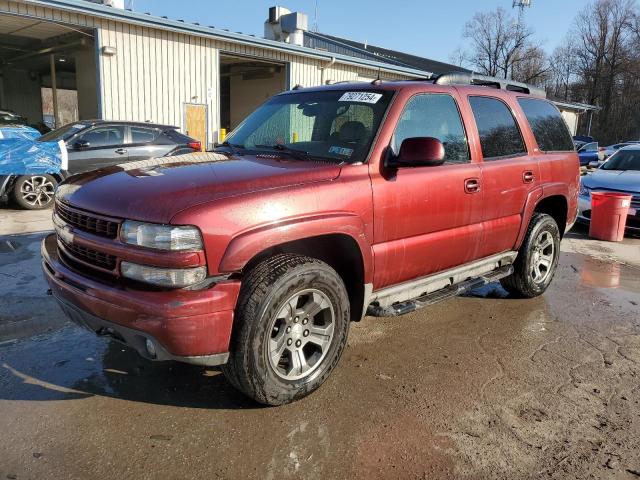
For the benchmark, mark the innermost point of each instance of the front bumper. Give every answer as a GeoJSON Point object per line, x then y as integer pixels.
{"type": "Point", "coordinates": [187, 326]}
{"type": "Point", "coordinates": [584, 215]}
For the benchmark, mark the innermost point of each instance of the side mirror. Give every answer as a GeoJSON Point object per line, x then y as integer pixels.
{"type": "Point", "coordinates": [594, 164]}
{"type": "Point", "coordinates": [81, 145]}
{"type": "Point", "coordinates": [420, 152]}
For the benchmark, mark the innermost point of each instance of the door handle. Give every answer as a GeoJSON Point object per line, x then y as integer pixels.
{"type": "Point", "coordinates": [121, 151]}
{"type": "Point", "coordinates": [472, 185]}
{"type": "Point", "coordinates": [528, 176]}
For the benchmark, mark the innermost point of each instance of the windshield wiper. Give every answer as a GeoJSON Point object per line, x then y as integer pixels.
{"type": "Point", "coordinates": [231, 146]}
{"type": "Point", "coordinates": [292, 152]}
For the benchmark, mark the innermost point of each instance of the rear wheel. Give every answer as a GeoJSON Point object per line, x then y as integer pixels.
{"type": "Point", "coordinates": [34, 192]}
{"type": "Point", "coordinates": [537, 259]}
{"type": "Point", "coordinates": [292, 325]}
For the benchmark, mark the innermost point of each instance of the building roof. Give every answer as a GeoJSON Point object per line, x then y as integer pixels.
{"type": "Point", "coordinates": [152, 21]}
{"type": "Point", "coordinates": [361, 50]}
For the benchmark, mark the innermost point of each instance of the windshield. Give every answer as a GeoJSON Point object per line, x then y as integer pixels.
{"type": "Point", "coordinates": [623, 160]}
{"type": "Point", "coordinates": [332, 124]}
{"type": "Point", "coordinates": [62, 133]}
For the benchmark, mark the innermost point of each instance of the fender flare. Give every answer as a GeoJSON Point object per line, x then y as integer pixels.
{"type": "Point", "coordinates": [533, 199]}
{"type": "Point", "coordinates": [248, 244]}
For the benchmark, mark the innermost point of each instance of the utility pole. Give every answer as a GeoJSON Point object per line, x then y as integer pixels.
{"type": "Point", "coordinates": [521, 5]}
{"type": "Point", "coordinates": [315, 20]}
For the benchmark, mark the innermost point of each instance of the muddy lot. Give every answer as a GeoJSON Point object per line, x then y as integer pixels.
{"type": "Point", "coordinates": [482, 386]}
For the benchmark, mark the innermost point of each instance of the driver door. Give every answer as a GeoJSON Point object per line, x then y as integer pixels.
{"type": "Point", "coordinates": [99, 147]}
{"type": "Point", "coordinates": [428, 219]}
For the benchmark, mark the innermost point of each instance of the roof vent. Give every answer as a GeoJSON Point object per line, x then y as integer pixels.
{"type": "Point", "coordinates": [285, 26]}
{"type": "Point", "coordinates": [110, 3]}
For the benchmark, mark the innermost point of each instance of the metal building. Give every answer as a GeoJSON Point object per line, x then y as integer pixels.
{"type": "Point", "coordinates": [132, 66]}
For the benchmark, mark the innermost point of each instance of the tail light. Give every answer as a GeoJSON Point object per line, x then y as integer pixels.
{"type": "Point", "coordinates": [197, 146]}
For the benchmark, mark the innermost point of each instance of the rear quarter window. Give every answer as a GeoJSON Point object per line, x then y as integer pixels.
{"type": "Point", "coordinates": [548, 126]}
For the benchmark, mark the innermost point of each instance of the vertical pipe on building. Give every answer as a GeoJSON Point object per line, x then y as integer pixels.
{"type": "Point", "coordinates": [590, 121]}
{"type": "Point", "coordinates": [54, 90]}
{"type": "Point", "coordinates": [322, 69]}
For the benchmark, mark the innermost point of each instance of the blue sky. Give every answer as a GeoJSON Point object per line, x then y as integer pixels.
{"type": "Point", "coordinates": [428, 28]}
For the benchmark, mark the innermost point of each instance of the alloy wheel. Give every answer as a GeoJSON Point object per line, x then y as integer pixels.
{"type": "Point", "coordinates": [301, 334]}
{"type": "Point", "coordinates": [542, 257]}
{"type": "Point", "coordinates": [37, 191]}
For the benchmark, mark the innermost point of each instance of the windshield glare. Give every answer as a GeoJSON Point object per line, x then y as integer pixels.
{"type": "Point", "coordinates": [623, 160]}
{"type": "Point", "coordinates": [62, 133]}
{"type": "Point", "coordinates": [338, 125]}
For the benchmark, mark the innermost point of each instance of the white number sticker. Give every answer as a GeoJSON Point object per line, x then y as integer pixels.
{"type": "Point", "coordinates": [363, 97]}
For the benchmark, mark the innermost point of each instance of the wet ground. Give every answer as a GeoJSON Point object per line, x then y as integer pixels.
{"type": "Point", "coordinates": [481, 386]}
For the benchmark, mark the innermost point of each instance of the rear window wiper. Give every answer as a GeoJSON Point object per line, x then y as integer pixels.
{"type": "Point", "coordinates": [292, 152]}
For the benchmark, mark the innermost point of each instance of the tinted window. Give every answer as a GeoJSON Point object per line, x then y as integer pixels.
{"type": "Point", "coordinates": [547, 124]}
{"type": "Point", "coordinates": [434, 116]}
{"type": "Point", "coordinates": [104, 137]}
{"type": "Point", "coordinates": [623, 160]}
{"type": "Point", "coordinates": [499, 133]}
{"type": "Point", "coordinates": [143, 135]}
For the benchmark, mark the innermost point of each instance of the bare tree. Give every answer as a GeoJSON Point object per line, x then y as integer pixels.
{"type": "Point", "coordinates": [498, 42]}
{"type": "Point", "coordinates": [604, 54]}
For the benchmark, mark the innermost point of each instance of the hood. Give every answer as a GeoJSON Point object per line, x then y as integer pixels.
{"type": "Point", "coordinates": [155, 190]}
{"type": "Point", "coordinates": [624, 180]}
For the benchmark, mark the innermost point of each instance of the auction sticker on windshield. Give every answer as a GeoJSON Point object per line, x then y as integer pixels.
{"type": "Point", "coordinates": [363, 97]}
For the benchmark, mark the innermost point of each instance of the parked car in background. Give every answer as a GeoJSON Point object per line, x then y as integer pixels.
{"type": "Point", "coordinates": [589, 152]}
{"type": "Point", "coordinates": [611, 149]}
{"type": "Point", "coordinates": [621, 174]}
{"type": "Point", "coordinates": [7, 117]}
{"type": "Point", "coordinates": [96, 144]}
{"type": "Point", "coordinates": [10, 132]}
{"type": "Point", "coordinates": [324, 205]}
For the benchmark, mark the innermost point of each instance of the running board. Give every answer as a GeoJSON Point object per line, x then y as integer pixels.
{"type": "Point", "coordinates": [445, 293]}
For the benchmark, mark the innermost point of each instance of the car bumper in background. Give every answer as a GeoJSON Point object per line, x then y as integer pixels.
{"type": "Point", "coordinates": [188, 326]}
{"type": "Point", "coordinates": [584, 214]}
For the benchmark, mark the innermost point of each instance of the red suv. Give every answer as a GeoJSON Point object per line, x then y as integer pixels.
{"type": "Point", "coordinates": [324, 205]}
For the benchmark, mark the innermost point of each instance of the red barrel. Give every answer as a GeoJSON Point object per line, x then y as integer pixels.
{"type": "Point", "coordinates": [609, 212]}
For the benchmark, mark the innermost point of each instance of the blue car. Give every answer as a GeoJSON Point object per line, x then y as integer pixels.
{"type": "Point", "coordinates": [589, 152]}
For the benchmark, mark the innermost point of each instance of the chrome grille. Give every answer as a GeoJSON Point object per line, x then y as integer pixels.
{"type": "Point", "coordinates": [87, 222]}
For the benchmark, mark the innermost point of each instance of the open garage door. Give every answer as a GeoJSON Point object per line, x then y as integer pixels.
{"type": "Point", "coordinates": [47, 71]}
{"type": "Point", "coordinates": [245, 83]}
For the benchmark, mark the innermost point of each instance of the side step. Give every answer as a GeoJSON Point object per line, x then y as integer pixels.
{"type": "Point", "coordinates": [401, 308]}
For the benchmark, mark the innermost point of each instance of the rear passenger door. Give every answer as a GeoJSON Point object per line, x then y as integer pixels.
{"type": "Point", "coordinates": [142, 144]}
{"type": "Point", "coordinates": [509, 173]}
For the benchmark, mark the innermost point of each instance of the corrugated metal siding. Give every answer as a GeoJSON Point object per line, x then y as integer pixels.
{"type": "Point", "coordinates": [155, 72]}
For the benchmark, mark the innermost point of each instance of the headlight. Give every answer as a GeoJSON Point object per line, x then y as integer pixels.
{"type": "Point", "coordinates": [584, 191]}
{"type": "Point", "coordinates": [164, 277]}
{"type": "Point", "coordinates": [161, 237]}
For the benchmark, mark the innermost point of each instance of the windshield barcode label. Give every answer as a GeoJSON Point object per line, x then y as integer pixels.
{"type": "Point", "coordinates": [364, 97]}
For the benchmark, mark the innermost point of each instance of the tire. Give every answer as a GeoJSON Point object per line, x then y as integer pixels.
{"type": "Point", "coordinates": [289, 305]}
{"type": "Point", "coordinates": [34, 192]}
{"type": "Point", "coordinates": [537, 259]}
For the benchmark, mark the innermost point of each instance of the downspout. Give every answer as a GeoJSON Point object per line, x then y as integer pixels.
{"type": "Point", "coordinates": [329, 64]}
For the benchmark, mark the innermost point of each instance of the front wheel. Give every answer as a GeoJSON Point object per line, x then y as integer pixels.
{"type": "Point", "coordinates": [34, 192]}
{"type": "Point", "coordinates": [537, 259]}
{"type": "Point", "coordinates": [292, 325]}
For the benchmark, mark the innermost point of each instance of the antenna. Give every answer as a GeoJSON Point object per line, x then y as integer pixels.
{"type": "Point", "coordinates": [315, 20]}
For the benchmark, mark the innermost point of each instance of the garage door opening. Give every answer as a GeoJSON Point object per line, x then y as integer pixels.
{"type": "Point", "coordinates": [245, 83]}
{"type": "Point", "coordinates": [47, 71]}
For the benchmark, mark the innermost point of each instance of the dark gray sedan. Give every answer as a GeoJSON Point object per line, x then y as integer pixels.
{"type": "Point", "coordinates": [95, 144]}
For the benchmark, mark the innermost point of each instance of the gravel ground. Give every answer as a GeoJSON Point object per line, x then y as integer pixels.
{"type": "Point", "coordinates": [481, 386]}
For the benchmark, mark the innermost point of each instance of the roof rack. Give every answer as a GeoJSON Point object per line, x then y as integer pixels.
{"type": "Point", "coordinates": [465, 78]}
